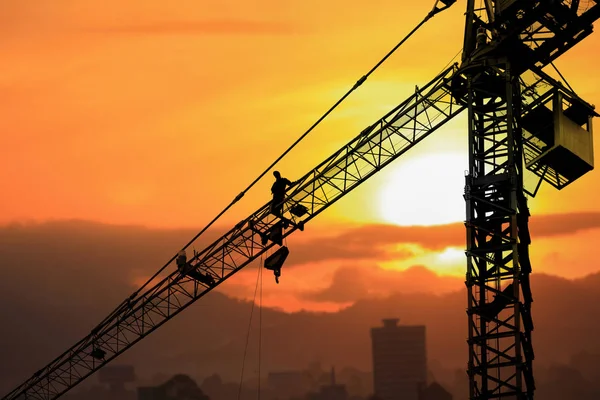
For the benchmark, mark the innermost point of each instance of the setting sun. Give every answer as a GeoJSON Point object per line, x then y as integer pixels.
{"type": "Point", "coordinates": [427, 190]}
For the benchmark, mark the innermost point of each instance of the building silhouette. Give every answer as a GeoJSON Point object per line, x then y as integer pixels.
{"type": "Point", "coordinates": [177, 388]}
{"type": "Point", "coordinates": [332, 391]}
{"type": "Point", "coordinates": [399, 360]}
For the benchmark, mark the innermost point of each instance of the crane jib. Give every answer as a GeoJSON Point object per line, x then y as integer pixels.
{"type": "Point", "coordinates": [402, 128]}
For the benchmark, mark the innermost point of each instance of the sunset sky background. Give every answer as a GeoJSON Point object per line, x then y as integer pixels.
{"type": "Point", "coordinates": [156, 114]}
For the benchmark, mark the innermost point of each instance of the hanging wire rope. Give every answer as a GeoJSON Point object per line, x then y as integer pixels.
{"type": "Point", "coordinates": [561, 76]}
{"type": "Point", "coordinates": [358, 83]}
{"type": "Point", "coordinates": [260, 327]}
{"type": "Point", "coordinates": [250, 327]}
{"type": "Point", "coordinates": [132, 299]}
{"type": "Point", "coordinates": [451, 61]}
{"type": "Point", "coordinates": [431, 14]}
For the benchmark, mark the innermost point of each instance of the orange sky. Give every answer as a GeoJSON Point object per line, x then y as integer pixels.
{"type": "Point", "coordinates": [149, 113]}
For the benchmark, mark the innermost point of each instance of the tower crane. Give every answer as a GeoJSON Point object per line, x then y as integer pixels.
{"type": "Point", "coordinates": [520, 119]}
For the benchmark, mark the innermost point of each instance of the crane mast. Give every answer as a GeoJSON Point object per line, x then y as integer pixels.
{"type": "Point", "coordinates": [503, 40]}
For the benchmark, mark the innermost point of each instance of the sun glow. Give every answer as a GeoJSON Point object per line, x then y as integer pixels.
{"type": "Point", "coordinates": [427, 190]}
{"type": "Point", "coordinates": [452, 255]}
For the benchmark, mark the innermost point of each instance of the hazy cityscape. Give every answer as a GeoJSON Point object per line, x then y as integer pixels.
{"type": "Point", "coordinates": [400, 372]}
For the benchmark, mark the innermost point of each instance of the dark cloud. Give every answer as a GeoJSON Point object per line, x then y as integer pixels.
{"type": "Point", "coordinates": [352, 283]}
{"type": "Point", "coordinates": [346, 287]}
{"type": "Point", "coordinates": [563, 224]}
{"type": "Point", "coordinates": [376, 241]}
{"type": "Point", "coordinates": [119, 254]}
{"type": "Point", "coordinates": [209, 27]}
{"type": "Point", "coordinates": [429, 237]}
{"type": "Point", "coordinates": [352, 246]}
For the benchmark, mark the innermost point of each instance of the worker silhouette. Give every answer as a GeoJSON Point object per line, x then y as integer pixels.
{"type": "Point", "coordinates": [278, 190]}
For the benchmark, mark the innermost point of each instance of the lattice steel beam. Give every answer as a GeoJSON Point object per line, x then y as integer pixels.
{"type": "Point", "coordinates": [376, 147]}
{"type": "Point", "coordinates": [536, 33]}
{"type": "Point", "coordinates": [523, 35]}
{"type": "Point", "coordinates": [496, 210]}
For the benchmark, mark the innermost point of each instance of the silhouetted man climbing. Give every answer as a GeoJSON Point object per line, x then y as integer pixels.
{"type": "Point", "coordinates": [278, 189]}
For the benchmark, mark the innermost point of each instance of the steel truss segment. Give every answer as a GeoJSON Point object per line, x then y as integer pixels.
{"type": "Point", "coordinates": [533, 33]}
{"type": "Point", "coordinates": [496, 363]}
{"type": "Point", "coordinates": [553, 27]}
{"type": "Point", "coordinates": [378, 145]}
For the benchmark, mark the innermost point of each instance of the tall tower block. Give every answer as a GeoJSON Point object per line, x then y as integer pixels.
{"type": "Point", "coordinates": [399, 360]}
